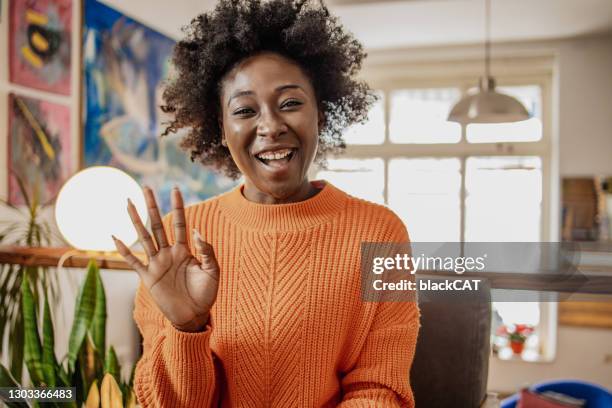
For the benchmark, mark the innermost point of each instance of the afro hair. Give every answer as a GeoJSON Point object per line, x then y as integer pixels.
{"type": "Point", "coordinates": [303, 31]}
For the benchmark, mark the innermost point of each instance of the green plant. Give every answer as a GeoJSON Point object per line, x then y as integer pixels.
{"type": "Point", "coordinates": [22, 230]}
{"type": "Point", "coordinates": [87, 362]}
{"type": "Point", "coordinates": [516, 333]}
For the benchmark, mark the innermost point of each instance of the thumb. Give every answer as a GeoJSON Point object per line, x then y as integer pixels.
{"type": "Point", "coordinates": [203, 248]}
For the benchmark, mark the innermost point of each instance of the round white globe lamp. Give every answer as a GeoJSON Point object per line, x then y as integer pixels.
{"type": "Point", "coordinates": [92, 205]}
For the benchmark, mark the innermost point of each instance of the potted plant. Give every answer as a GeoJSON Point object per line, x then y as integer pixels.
{"type": "Point", "coordinates": [25, 226]}
{"type": "Point", "coordinates": [88, 365]}
{"type": "Point", "coordinates": [516, 334]}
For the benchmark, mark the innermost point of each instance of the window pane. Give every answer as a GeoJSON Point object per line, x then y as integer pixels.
{"type": "Point", "coordinates": [503, 199]}
{"type": "Point", "coordinates": [419, 116]}
{"type": "Point", "coordinates": [506, 318]}
{"type": "Point", "coordinates": [526, 131]}
{"type": "Point", "coordinates": [373, 131]}
{"type": "Point", "coordinates": [360, 178]}
{"type": "Point", "coordinates": [425, 194]}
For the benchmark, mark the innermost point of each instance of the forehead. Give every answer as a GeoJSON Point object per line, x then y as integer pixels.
{"type": "Point", "coordinates": [264, 72]}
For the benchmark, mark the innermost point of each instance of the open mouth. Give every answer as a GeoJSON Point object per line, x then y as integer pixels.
{"type": "Point", "coordinates": [276, 159]}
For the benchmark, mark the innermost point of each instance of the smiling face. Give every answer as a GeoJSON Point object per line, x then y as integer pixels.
{"type": "Point", "coordinates": [270, 124]}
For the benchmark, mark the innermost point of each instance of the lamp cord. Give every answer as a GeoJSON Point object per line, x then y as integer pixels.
{"type": "Point", "coordinates": [69, 278]}
{"type": "Point", "coordinates": [487, 39]}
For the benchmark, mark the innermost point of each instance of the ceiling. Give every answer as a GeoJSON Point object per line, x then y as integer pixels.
{"type": "Point", "coordinates": [418, 23]}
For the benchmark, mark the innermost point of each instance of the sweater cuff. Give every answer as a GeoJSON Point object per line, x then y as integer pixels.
{"type": "Point", "coordinates": [188, 347]}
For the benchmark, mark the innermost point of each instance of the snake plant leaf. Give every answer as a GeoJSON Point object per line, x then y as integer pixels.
{"type": "Point", "coordinates": [7, 380]}
{"type": "Point", "coordinates": [110, 394]}
{"type": "Point", "coordinates": [79, 381]}
{"type": "Point", "coordinates": [93, 397]}
{"type": "Point", "coordinates": [131, 400]}
{"type": "Point", "coordinates": [49, 362]}
{"type": "Point", "coordinates": [98, 324]}
{"type": "Point", "coordinates": [63, 376]}
{"type": "Point", "coordinates": [92, 364]}
{"type": "Point", "coordinates": [111, 365]}
{"type": "Point", "coordinates": [83, 314]}
{"type": "Point", "coordinates": [17, 348]}
{"type": "Point", "coordinates": [32, 352]}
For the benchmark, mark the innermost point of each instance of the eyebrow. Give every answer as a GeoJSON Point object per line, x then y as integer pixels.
{"type": "Point", "coordinates": [278, 89]}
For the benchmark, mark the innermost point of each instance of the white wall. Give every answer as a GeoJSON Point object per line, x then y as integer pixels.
{"type": "Point", "coordinates": [585, 106]}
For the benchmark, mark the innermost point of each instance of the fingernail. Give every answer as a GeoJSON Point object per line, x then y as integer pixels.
{"type": "Point", "coordinates": [196, 234]}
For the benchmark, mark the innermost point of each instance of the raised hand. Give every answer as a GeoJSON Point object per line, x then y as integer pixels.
{"type": "Point", "coordinates": [183, 287]}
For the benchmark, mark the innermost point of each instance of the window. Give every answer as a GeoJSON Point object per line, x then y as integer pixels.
{"type": "Point", "coordinates": [483, 182]}
{"type": "Point", "coordinates": [448, 183]}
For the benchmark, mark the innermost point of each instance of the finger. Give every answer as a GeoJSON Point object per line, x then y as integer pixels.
{"type": "Point", "coordinates": [129, 257]}
{"type": "Point", "coordinates": [143, 235]}
{"type": "Point", "coordinates": [156, 221]}
{"type": "Point", "coordinates": [180, 226]}
{"type": "Point", "coordinates": [203, 249]}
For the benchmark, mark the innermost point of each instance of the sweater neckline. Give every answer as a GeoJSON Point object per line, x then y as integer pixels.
{"type": "Point", "coordinates": [283, 217]}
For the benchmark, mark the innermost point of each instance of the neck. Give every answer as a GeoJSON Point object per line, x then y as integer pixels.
{"type": "Point", "coordinates": [318, 209]}
{"type": "Point", "coordinates": [304, 192]}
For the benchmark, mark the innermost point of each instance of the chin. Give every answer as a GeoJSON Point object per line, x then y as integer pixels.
{"type": "Point", "coordinates": [284, 189]}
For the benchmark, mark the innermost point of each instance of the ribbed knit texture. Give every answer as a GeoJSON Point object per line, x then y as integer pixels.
{"type": "Point", "coordinates": [289, 328]}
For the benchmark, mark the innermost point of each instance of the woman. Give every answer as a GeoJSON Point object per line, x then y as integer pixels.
{"type": "Point", "coordinates": [261, 305]}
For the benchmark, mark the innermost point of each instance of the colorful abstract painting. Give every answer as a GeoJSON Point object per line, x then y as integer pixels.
{"type": "Point", "coordinates": [125, 64]}
{"type": "Point", "coordinates": [39, 50]}
{"type": "Point", "coordinates": [39, 148]}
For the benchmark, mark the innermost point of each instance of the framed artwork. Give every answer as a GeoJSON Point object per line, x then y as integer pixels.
{"type": "Point", "coordinates": [40, 44]}
{"type": "Point", "coordinates": [39, 147]}
{"type": "Point", "coordinates": [125, 64]}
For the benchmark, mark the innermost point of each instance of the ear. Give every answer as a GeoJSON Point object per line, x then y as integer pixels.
{"type": "Point", "coordinates": [223, 141]}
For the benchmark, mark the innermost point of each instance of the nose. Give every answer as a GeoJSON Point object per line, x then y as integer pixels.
{"type": "Point", "coordinates": [271, 124]}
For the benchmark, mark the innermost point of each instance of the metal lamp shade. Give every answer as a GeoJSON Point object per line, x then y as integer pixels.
{"type": "Point", "coordinates": [488, 106]}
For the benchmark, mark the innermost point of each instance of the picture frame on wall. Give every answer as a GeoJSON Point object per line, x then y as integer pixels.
{"type": "Point", "coordinates": [40, 44]}
{"type": "Point", "coordinates": [125, 66]}
{"type": "Point", "coordinates": [39, 148]}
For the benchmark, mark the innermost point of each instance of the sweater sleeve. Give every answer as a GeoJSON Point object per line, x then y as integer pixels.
{"type": "Point", "coordinates": [381, 375]}
{"type": "Point", "coordinates": [176, 368]}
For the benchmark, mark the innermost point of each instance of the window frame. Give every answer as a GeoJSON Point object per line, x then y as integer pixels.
{"type": "Point", "coordinates": [463, 149]}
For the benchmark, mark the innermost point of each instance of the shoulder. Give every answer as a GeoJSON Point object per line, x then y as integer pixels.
{"type": "Point", "coordinates": [377, 220]}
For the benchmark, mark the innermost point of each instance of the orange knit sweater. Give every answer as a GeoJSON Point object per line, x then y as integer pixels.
{"type": "Point", "coordinates": [289, 328]}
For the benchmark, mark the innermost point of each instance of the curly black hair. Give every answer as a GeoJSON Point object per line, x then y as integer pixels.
{"type": "Point", "coordinates": [303, 31]}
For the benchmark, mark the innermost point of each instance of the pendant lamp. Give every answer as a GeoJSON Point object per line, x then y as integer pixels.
{"type": "Point", "coordinates": [487, 105]}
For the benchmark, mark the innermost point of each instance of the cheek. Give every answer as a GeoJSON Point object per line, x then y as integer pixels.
{"type": "Point", "coordinates": [308, 127]}
{"type": "Point", "coordinates": [236, 134]}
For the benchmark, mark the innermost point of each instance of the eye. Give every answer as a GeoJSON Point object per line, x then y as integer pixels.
{"type": "Point", "coordinates": [243, 111]}
{"type": "Point", "coordinates": [291, 103]}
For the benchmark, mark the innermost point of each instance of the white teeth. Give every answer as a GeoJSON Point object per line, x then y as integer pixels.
{"type": "Point", "coordinates": [279, 154]}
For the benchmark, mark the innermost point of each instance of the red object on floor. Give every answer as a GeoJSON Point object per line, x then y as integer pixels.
{"type": "Point", "coordinates": [530, 399]}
